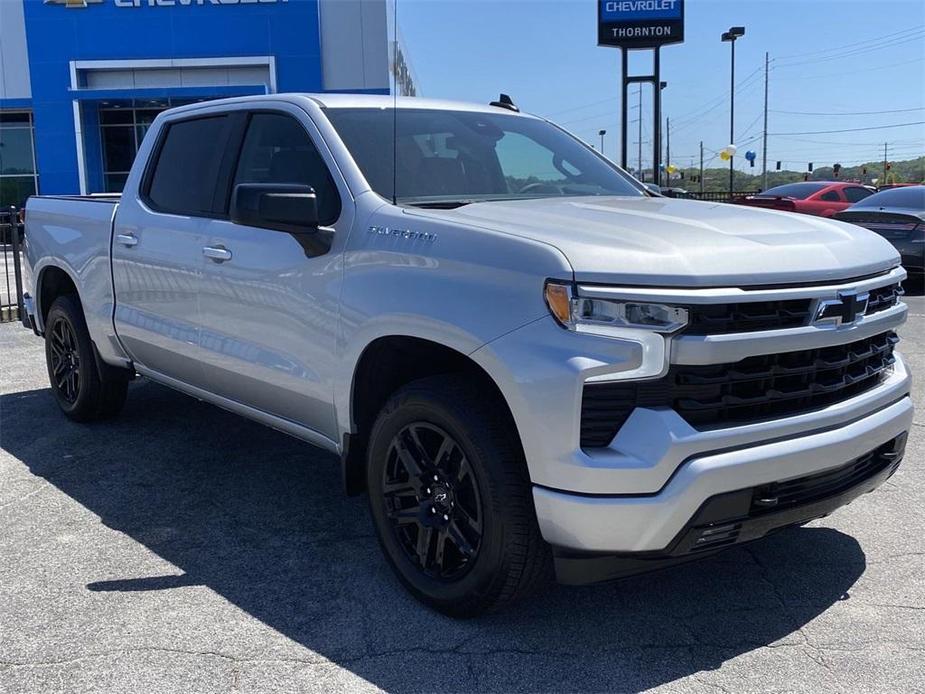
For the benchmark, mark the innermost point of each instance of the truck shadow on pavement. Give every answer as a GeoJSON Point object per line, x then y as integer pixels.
{"type": "Point", "coordinates": [260, 519]}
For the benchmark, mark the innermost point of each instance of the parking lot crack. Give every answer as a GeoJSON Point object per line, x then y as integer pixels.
{"type": "Point", "coordinates": [54, 662]}
{"type": "Point", "coordinates": [40, 487]}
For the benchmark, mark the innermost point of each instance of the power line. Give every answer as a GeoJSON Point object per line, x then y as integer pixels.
{"type": "Point", "coordinates": [850, 130]}
{"type": "Point", "coordinates": [851, 54]}
{"type": "Point", "coordinates": [848, 113]}
{"type": "Point", "coordinates": [577, 108]}
{"type": "Point", "coordinates": [716, 102]}
{"type": "Point", "coordinates": [845, 46]}
{"type": "Point", "coordinates": [842, 143]}
{"type": "Point", "coordinates": [855, 72]}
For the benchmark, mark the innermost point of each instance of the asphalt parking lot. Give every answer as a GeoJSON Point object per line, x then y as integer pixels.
{"type": "Point", "coordinates": [182, 549]}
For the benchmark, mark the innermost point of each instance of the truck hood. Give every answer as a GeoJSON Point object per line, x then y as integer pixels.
{"type": "Point", "coordinates": [671, 242]}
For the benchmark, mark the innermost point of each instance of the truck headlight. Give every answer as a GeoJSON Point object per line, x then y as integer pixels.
{"type": "Point", "coordinates": [601, 316]}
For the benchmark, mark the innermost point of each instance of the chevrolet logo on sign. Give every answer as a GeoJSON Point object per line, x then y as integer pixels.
{"type": "Point", "coordinates": [845, 310]}
{"type": "Point", "coordinates": [73, 3]}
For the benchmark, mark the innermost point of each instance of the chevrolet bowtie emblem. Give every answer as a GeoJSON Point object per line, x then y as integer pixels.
{"type": "Point", "coordinates": [73, 3]}
{"type": "Point", "coordinates": [846, 309]}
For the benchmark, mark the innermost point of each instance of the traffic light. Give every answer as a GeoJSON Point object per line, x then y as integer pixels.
{"type": "Point", "coordinates": [889, 166]}
{"type": "Point", "coordinates": [810, 168]}
{"type": "Point", "coordinates": [778, 166]}
{"type": "Point", "coordinates": [835, 169]}
{"type": "Point", "coordinates": [863, 170]}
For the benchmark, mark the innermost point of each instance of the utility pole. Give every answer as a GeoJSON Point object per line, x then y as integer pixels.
{"type": "Point", "coordinates": [885, 164]}
{"type": "Point", "coordinates": [701, 166]}
{"type": "Point", "coordinates": [639, 113]}
{"type": "Point", "coordinates": [764, 156]}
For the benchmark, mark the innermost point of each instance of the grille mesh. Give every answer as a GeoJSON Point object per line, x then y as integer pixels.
{"type": "Point", "coordinates": [753, 389]}
{"type": "Point", "coordinates": [749, 316]}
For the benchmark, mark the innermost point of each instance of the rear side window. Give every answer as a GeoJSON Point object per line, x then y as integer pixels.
{"type": "Point", "coordinates": [798, 191]}
{"type": "Point", "coordinates": [187, 167]}
{"type": "Point", "coordinates": [856, 193]}
{"type": "Point", "coordinates": [830, 196]}
{"type": "Point", "coordinates": [911, 197]}
{"type": "Point", "coordinates": [277, 149]}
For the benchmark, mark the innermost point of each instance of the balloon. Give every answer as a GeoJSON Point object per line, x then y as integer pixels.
{"type": "Point", "coordinates": [724, 155]}
{"type": "Point", "coordinates": [731, 149]}
{"type": "Point", "coordinates": [672, 168]}
{"type": "Point", "coordinates": [750, 155]}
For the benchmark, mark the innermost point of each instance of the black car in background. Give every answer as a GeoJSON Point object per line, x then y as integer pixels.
{"type": "Point", "coordinates": [898, 215]}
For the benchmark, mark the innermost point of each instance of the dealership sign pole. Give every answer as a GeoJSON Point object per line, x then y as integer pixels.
{"type": "Point", "coordinates": [640, 25]}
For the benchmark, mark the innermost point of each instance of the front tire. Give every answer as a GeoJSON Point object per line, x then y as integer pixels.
{"type": "Point", "coordinates": [451, 498]}
{"type": "Point", "coordinates": [82, 391]}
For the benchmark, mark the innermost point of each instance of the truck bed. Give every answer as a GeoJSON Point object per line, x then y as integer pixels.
{"type": "Point", "coordinates": [73, 234]}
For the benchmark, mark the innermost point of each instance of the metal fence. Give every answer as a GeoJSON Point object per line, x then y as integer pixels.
{"type": "Point", "coordinates": [716, 195]}
{"type": "Point", "coordinates": [11, 289]}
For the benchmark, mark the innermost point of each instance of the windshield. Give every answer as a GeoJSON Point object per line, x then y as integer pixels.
{"type": "Point", "coordinates": [911, 197]}
{"type": "Point", "coordinates": [798, 191]}
{"type": "Point", "coordinates": [456, 157]}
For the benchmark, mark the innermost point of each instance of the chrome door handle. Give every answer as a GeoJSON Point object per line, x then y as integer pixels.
{"type": "Point", "coordinates": [127, 239]}
{"type": "Point", "coordinates": [217, 253]}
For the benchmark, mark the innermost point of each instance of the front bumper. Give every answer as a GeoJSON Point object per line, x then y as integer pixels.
{"type": "Point", "coordinates": [737, 517]}
{"type": "Point", "coordinates": [652, 522]}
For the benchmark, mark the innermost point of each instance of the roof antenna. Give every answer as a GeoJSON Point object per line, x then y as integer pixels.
{"type": "Point", "coordinates": [504, 101]}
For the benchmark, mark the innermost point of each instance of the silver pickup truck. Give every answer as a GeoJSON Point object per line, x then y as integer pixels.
{"type": "Point", "coordinates": [526, 360]}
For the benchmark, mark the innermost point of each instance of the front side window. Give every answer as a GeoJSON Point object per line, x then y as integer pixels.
{"type": "Point", "coordinates": [187, 167]}
{"type": "Point", "coordinates": [277, 149]}
{"type": "Point", "coordinates": [455, 157]}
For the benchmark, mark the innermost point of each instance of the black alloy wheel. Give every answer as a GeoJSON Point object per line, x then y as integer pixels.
{"type": "Point", "coordinates": [432, 500]}
{"type": "Point", "coordinates": [451, 499]}
{"type": "Point", "coordinates": [85, 387]}
{"type": "Point", "coordinates": [65, 359]}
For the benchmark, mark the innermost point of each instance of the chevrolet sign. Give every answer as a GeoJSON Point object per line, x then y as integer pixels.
{"type": "Point", "coordinates": [74, 4]}
{"type": "Point", "coordinates": [639, 23]}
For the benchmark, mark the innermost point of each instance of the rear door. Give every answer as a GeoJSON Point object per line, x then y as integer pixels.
{"type": "Point", "coordinates": [158, 241]}
{"type": "Point", "coordinates": [270, 304]}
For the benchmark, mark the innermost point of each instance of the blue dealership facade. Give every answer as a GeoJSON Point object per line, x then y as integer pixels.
{"type": "Point", "coordinates": [81, 80]}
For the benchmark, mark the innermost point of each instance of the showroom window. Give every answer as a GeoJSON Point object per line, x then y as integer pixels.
{"type": "Point", "coordinates": [18, 178]}
{"type": "Point", "coordinates": [122, 130]}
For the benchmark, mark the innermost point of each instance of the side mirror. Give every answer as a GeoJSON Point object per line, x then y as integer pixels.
{"type": "Point", "coordinates": [289, 207]}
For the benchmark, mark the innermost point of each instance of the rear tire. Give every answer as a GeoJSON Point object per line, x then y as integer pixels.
{"type": "Point", "coordinates": [451, 498]}
{"type": "Point", "coordinates": [84, 391]}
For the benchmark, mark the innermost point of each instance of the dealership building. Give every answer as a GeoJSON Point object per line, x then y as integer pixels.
{"type": "Point", "coordinates": [82, 80]}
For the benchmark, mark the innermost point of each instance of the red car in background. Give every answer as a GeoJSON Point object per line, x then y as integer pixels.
{"type": "Point", "coordinates": [822, 198]}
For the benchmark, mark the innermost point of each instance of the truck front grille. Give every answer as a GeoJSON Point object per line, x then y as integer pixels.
{"type": "Point", "coordinates": [750, 316]}
{"type": "Point", "coordinates": [754, 389]}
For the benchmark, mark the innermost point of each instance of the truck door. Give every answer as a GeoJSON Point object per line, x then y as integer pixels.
{"type": "Point", "coordinates": [158, 241]}
{"type": "Point", "coordinates": [269, 304]}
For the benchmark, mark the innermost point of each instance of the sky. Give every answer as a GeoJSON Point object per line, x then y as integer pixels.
{"type": "Point", "coordinates": [835, 66]}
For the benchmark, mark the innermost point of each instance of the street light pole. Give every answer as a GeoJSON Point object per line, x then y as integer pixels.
{"type": "Point", "coordinates": [639, 154]}
{"type": "Point", "coordinates": [731, 36]}
{"type": "Point", "coordinates": [764, 146]}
